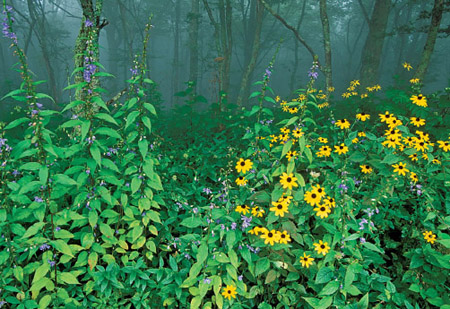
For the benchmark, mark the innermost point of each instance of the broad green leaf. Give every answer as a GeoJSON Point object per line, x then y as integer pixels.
{"type": "Point", "coordinates": [68, 278]}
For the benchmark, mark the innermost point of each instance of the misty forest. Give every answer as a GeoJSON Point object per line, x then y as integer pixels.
{"type": "Point", "coordinates": [225, 154]}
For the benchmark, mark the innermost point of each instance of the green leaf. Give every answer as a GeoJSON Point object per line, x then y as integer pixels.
{"type": "Point", "coordinates": [30, 166]}
{"type": "Point", "coordinates": [135, 184]}
{"type": "Point", "coordinates": [324, 275]}
{"type": "Point", "coordinates": [93, 217]}
{"type": "Point", "coordinates": [108, 131]}
{"type": "Point", "coordinates": [262, 265]}
{"type": "Point", "coordinates": [150, 108]}
{"type": "Point", "coordinates": [192, 222]}
{"type": "Point", "coordinates": [147, 123]}
{"type": "Point", "coordinates": [349, 277]}
{"type": "Point", "coordinates": [64, 180]}
{"type": "Point", "coordinates": [16, 123]}
{"type": "Point", "coordinates": [41, 271]}
{"type": "Point", "coordinates": [143, 147]}
{"type": "Point", "coordinates": [357, 157]}
{"type": "Point", "coordinates": [43, 175]}
{"type": "Point", "coordinates": [62, 247]}
{"type": "Point", "coordinates": [364, 302]}
{"type": "Point", "coordinates": [330, 288]}
{"type": "Point", "coordinates": [292, 120]}
{"type": "Point", "coordinates": [95, 152]}
{"type": "Point", "coordinates": [202, 253]}
{"type": "Point", "coordinates": [372, 247]}
{"type": "Point", "coordinates": [68, 278]}
{"type": "Point", "coordinates": [286, 147]}
{"type": "Point", "coordinates": [391, 159]}
{"type": "Point", "coordinates": [32, 230]}
{"type": "Point", "coordinates": [106, 117]}
{"type": "Point", "coordinates": [45, 301]}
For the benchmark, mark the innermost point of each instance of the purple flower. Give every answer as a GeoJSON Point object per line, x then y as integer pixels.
{"type": "Point", "coordinates": [39, 105]}
{"type": "Point", "coordinates": [240, 277]}
{"type": "Point", "coordinates": [57, 229]}
{"type": "Point", "coordinates": [187, 256]}
{"type": "Point", "coordinates": [362, 240]}
{"type": "Point", "coordinates": [207, 190]}
{"type": "Point", "coordinates": [233, 225]}
{"type": "Point", "coordinates": [195, 210]}
{"type": "Point", "coordinates": [52, 263]}
{"type": "Point", "coordinates": [44, 247]}
{"type": "Point", "coordinates": [246, 221]}
{"type": "Point", "coordinates": [313, 74]}
{"type": "Point", "coordinates": [88, 23]}
{"type": "Point", "coordinates": [38, 199]}
{"type": "Point", "coordinates": [207, 281]}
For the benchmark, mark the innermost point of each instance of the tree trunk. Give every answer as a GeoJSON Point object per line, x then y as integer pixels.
{"type": "Point", "coordinates": [193, 41]}
{"type": "Point", "coordinates": [176, 52]}
{"type": "Point", "coordinates": [244, 88]}
{"type": "Point", "coordinates": [294, 70]}
{"type": "Point", "coordinates": [327, 70]}
{"type": "Point", "coordinates": [372, 52]}
{"type": "Point", "coordinates": [436, 17]}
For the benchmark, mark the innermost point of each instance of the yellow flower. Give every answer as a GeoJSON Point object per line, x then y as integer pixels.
{"type": "Point", "coordinates": [355, 140]}
{"type": "Point", "coordinates": [420, 145]}
{"type": "Point", "coordinates": [284, 237]}
{"type": "Point", "coordinates": [285, 130]}
{"type": "Point", "coordinates": [241, 181]}
{"type": "Point", "coordinates": [436, 161]}
{"type": "Point", "coordinates": [297, 133]}
{"type": "Point", "coordinates": [270, 237]}
{"type": "Point", "coordinates": [391, 142]}
{"type": "Point", "coordinates": [444, 145]}
{"type": "Point", "coordinates": [361, 134]}
{"type": "Point", "coordinates": [257, 211]}
{"type": "Point", "coordinates": [319, 190]}
{"type": "Point", "coordinates": [407, 66]}
{"type": "Point", "coordinates": [243, 209]}
{"type": "Point", "coordinates": [343, 124]}
{"type": "Point", "coordinates": [312, 198]}
{"type": "Point", "coordinates": [394, 123]}
{"type": "Point", "coordinates": [414, 81]}
{"type": "Point", "coordinates": [429, 236]}
{"type": "Point", "coordinates": [386, 117]}
{"type": "Point", "coordinates": [323, 140]}
{"type": "Point", "coordinates": [354, 83]}
{"type": "Point", "coordinates": [418, 122]}
{"type": "Point", "coordinates": [400, 168]}
{"type": "Point", "coordinates": [419, 100]}
{"type": "Point", "coordinates": [306, 260]}
{"type": "Point", "coordinates": [288, 181]}
{"type": "Point", "coordinates": [330, 89]}
{"type": "Point", "coordinates": [346, 95]}
{"type": "Point", "coordinates": [366, 169]}
{"type": "Point", "coordinates": [229, 291]}
{"type": "Point", "coordinates": [291, 155]}
{"type": "Point", "coordinates": [322, 211]}
{"type": "Point", "coordinates": [280, 208]}
{"type": "Point", "coordinates": [362, 116]}
{"type": "Point", "coordinates": [243, 165]}
{"type": "Point", "coordinates": [324, 151]}
{"type": "Point", "coordinates": [330, 202]}
{"type": "Point", "coordinates": [341, 149]}
{"type": "Point", "coordinates": [413, 177]}
{"type": "Point", "coordinates": [277, 99]}
{"type": "Point", "coordinates": [413, 157]}
{"type": "Point", "coordinates": [321, 247]}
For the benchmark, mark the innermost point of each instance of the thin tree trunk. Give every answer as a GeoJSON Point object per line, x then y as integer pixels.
{"type": "Point", "coordinates": [176, 51]}
{"type": "Point", "coordinates": [436, 17]}
{"type": "Point", "coordinates": [327, 70]}
{"type": "Point", "coordinates": [193, 41]}
{"type": "Point", "coordinates": [244, 88]}
{"type": "Point", "coordinates": [371, 55]}
{"type": "Point", "coordinates": [294, 71]}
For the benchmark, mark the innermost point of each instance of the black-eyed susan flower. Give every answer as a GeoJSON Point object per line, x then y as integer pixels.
{"type": "Point", "coordinates": [285, 130]}
{"type": "Point", "coordinates": [413, 177]}
{"type": "Point", "coordinates": [329, 201]}
{"type": "Point", "coordinates": [297, 133]}
{"type": "Point", "coordinates": [362, 116]}
{"type": "Point", "coordinates": [312, 198]}
{"type": "Point", "coordinates": [257, 211]}
{"type": "Point", "coordinates": [306, 260]}
{"type": "Point", "coordinates": [288, 181]}
{"type": "Point", "coordinates": [270, 237]}
{"type": "Point", "coordinates": [400, 168]}
{"type": "Point", "coordinates": [391, 142]}
{"type": "Point", "coordinates": [421, 145]}
{"type": "Point", "coordinates": [414, 81]}
{"type": "Point", "coordinates": [324, 151]}
{"type": "Point", "coordinates": [366, 169]}
{"type": "Point", "coordinates": [243, 165]}
{"type": "Point", "coordinates": [243, 209]}
{"type": "Point", "coordinates": [280, 208]}
{"type": "Point", "coordinates": [407, 66]}
{"type": "Point", "coordinates": [386, 117]}
{"type": "Point", "coordinates": [229, 292]}
{"type": "Point", "coordinates": [394, 123]}
{"type": "Point", "coordinates": [444, 145]}
{"type": "Point", "coordinates": [414, 157]}
{"type": "Point", "coordinates": [321, 247]}
{"type": "Point", "coordinates": [284, 237]}
{"type": "Point", "coordinates": [354, 83]}
{"type": "Point", "coordinates": [355, 140]}
{"type": "Point", "coordinates": [341, 149]}
{"type": "Point", "coordinates": [322, 211]}
{"type": "Point", "coordinates": [323, 140]}
{"type": "Point", "coordinates": [291, 155]}
{"type": "Point", "coordinates": [241, 181]}
{"type": "Point", "coordinates": [436, 161]}
{"type": "Point", "coordinates": [429, 236]}
{"type": "Point", "coordinates": [361, 134]}
{"type": "Point", "coordinates": [342, 123]}
{"type": "Point", "coordinates": [319, 190]}
{"type": "Point", "coordinates": [419, 100]}
{"type": "Point", "coordinates": [418, 122]}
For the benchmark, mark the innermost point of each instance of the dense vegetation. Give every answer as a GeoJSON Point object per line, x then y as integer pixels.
{"type": "Point", "coordinates": [315, 200]}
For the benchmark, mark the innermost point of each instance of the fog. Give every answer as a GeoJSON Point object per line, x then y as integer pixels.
{"type": "Point", "coordinates": [48, 29]}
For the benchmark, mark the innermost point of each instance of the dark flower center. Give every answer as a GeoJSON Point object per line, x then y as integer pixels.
{"type": "Point", "coordinates": [400, 167]}
{"type": "Point", "coordinates": [419, 97]}
{"type": "Point", "coordinates": [367, 167]}
{"type": "Point", "coordinates": [313, 195]}
{"type": "Point", "coordinates": [421, 143]}
{"type": "Point", "coordinates": [270, 235]}
{"type": "Point", "coordinates": [241, 177]}
{"type": "Point", "coordinates": [319, 190]}
{"type": "Point", "coordinates": [229, 291]}
{"type": "Point", "coordinates": [289, 179]}
{"type": "Point", "coordinates": [322, 208]}
{"type": "Point", "coordinates": [283, 236]}
{"type": "Point", "coordinates": [243, 163]}
{"type": "Point", "coordinates": [341, 147]}
{"type": "Point", "coordinates": [322, 246]}
{"type": "Point", "coordinates": [280, 206]}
